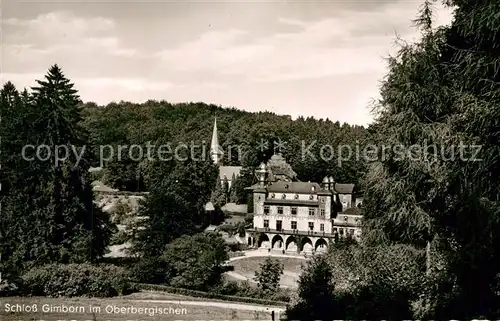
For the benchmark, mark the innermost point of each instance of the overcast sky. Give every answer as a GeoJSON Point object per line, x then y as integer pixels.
{"type": "Point", "coordinates": [311, 58]}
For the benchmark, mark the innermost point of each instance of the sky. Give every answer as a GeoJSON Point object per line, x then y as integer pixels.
{"type": "Point", "coordinates": [312, 58]}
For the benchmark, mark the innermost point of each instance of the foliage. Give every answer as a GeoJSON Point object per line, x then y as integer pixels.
{"type": "Point", "coordinates": [442, 94]}
{"type": "Point", "coordinates": [8, 288]}
{"type": "Point", "coordinates": [56, 197]}
{"type": "Point", "coordinates": [241, 229]}
{"type": "Point", "coordinates": [175, 205]}
{"type": "Point", "coordinates": [211, 294]}
{"type": "Point", "coordinates": [72, 280]}
{"type": "Point", "coordinates": [196, 261]}
{"type": "Point", "coordinates": [317, 300]}
{"type": "Point", "coordinates": [237, 247]}
{"type": "Point", "coordinates": [164, 123]}
{"type": "Point", "coordinates": [219, 195]}
{"type": "Point", "coordinates": [233, 195]}
{"type": "Point", "coordinates": [268, 277]}
{"type": "Point", "coordinates": [121, 212]}
{"type": "Point", "coordinates": [154, 270]}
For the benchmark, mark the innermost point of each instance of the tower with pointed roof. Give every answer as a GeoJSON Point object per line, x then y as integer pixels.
{"type": "Point", "coordinates": [215, 149]}
{"type": "Point", "coordinates": [216, 153]}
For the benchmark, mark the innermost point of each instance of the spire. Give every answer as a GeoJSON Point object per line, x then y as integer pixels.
{"type": "Point", "coordinates": [215, 150]}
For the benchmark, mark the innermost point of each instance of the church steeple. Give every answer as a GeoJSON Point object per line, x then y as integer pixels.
{"type": "Point", "coordinates": [215, 150]}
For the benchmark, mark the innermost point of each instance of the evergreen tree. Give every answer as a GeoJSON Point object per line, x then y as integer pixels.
{"type": "Point", "coordinates": [233, 197]}
{"type": "Point", "coordinates": [443, 94]}
{"type": "Point", "coordinates": [225, 189]}
{"type": "Point", "coordinates": [269, 274]}
{"type": "Point", "coordinates": [316, 293]}
{"type": "Point", "coordinates": [218, 197]}
{"type": "Point", "coordinates": [56, 197]}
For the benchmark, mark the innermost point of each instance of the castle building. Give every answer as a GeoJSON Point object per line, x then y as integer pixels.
{"type": "Point", "coordinates": [217, 155]}
{"type": "Point", "coordinates": [295, 216]}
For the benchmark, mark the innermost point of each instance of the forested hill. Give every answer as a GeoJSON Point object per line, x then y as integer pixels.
{"type": "Point", "coordinates": [243, 133]}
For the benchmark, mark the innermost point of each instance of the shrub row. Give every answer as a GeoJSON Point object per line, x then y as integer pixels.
{"type": "Point", "coordinates": [206, 295]}
{"type": "Point", "coordinates": [72, 280]}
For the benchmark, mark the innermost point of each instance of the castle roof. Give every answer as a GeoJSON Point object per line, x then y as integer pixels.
{"type": "Point", "coordinates": [352, 211]}
{"type": "Point", "coordinates": [294, 187]}
{"type": "Point", "coordinates": [344, 188]}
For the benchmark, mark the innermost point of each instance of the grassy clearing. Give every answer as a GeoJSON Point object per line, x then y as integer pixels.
{"type": "Point", "coordinates": [84, 310]}
{"type": "Point", "coordinates": [248, 266]}
{"type": "Point", "coordinates": [292, 268]}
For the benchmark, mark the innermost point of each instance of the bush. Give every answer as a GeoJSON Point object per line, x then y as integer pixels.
{"type": "Point", "coordinates": [237, 247]}
{"type": "Point", "coordinates": [245, 289]}
{"type": "Point", "coordinates": [207, 295]}
{"type": "Point", "coordinates": [228, 228]}
{"type": "Point", "coordinates": [73, 280]}
{"type": "Point", "coordinates": [8, 288]}
{"type": "Point", "coordinates": [151, 270]}
{"type": "Point", "coordinates": [120, 237]}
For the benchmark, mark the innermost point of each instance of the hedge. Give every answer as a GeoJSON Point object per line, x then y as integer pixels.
{"type": "Point", "coordinates": [73, 280]}
{"type": "Point", "coordinates": [206, 295]}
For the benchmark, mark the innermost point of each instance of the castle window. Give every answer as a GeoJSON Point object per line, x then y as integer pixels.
{"type": "Point", "coordinates": [322, 212]}
{"type": "Point", "coordinates": [322, 200]}
{"type": "Point", "coordinates": [311, 197]}
{"type": "Point", "coordinates": [293, 225]}
{"type": "Point", "coordinates": [272, 195]}
{"type": "Point", "coordinates": [266, 223]}
{"type": "Point", "coordinates": [280, 209]}
{"type": "Point", "coordinates": [322, 227]}
{"type": "Point", "coordinates": [266, 209]}
{"type": "Point", "coordinates": [311, 226]}
{"type": "Point", "coordinates": [283, 196]}
{"type": "Point", "coordinates": [345, 218]}
{"type": "Point", "coordinates": [312, 211]}
{"type": "Point", "coordinates": [294, 211]}
{"type": "Point", "coordinates": [296, 196]}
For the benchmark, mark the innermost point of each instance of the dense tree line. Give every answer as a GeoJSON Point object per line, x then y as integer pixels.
{"type": "Point", "coordinates": [431, 218]}
{"type": "Point", "coordinates": [240, 134]}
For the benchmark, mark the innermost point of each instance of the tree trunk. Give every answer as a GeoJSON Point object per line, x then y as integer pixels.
{"type": "Point", "coordinates": [428, 258]}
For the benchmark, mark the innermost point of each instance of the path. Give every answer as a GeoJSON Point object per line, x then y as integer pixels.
{"type": "Point", "coordinates": [224, 305]}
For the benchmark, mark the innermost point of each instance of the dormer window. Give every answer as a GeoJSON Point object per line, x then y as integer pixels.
{"type": "Point", "coordinates": [296, 196]}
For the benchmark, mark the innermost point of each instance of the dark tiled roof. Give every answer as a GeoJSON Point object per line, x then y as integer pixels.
{"type": "Point", "coordinates": [289, 202]}
{"type": "Point", "coordinates": [352, 211]}
{"type": "Point", "coordinates": [344, 188]}
{"type": "Point", "coordinates": [254, 186]}
{"type": "Point", "coordinates": [228, 171]}
{"type": "Point", "coordinates": [294, 187]}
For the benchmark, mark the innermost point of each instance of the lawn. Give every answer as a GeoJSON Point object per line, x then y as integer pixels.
{"type": "Point", "coordinates": [110, 309]}
{"type": "Point", "coordinates": [292, 268]}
